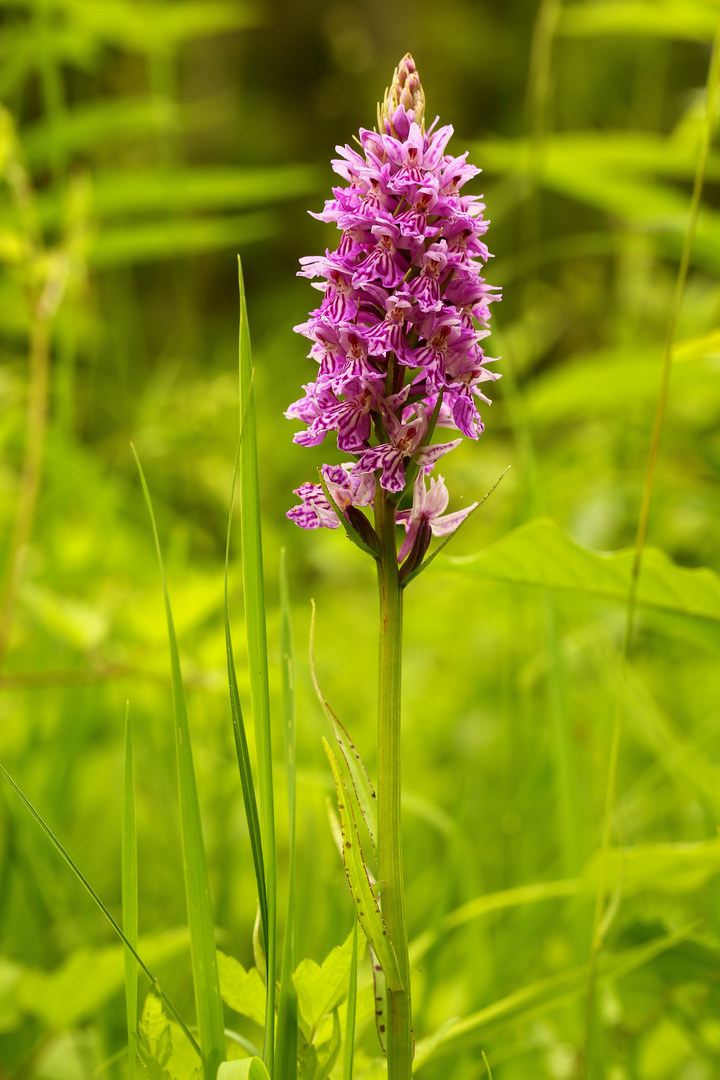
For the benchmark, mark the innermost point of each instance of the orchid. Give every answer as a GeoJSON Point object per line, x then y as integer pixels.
{"type": "Point", "coordinates": [397, 339]}
{"type": "Point", "coordinates": [404, 307]}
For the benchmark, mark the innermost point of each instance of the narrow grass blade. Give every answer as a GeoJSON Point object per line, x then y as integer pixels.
{"type": "Point", "coordinates": [364, 791]}
{"type": "Point", "coordinates": [208, 1002]}
{"type": "Point", "coordinates": [241, 745]}
{"type": "Point", "coordinates": [98, 902]}
{"type": "Point", "coordinates": [368, 911]}
{"type": "Point", "coordinates": [253, 582]}
{"type": "Point", "coordinates": [130, 895]}
{"type": "Point", "coordinates": [287, 1028]}
{"type": "Point", "coordinates": [351, 1011]}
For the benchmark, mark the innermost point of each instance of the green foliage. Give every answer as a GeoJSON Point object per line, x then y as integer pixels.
{"type": "Point", "coordinates": [244, 991]}
{"type": "Point", "coordinates": [366, 904]}
{"type": "Point", "coordinates": [162, 1047]}
{"type": "Point", "coordinates": [539, 553]}
{"type": "Point", "coordinates": [197, 886]}
{"type": "Point", "coordinates": [322, 987]}
{"type": "Point", "coordinates": [140, 145]}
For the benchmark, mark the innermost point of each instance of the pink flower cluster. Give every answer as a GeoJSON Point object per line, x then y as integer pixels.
{"type": "Point", "coordinates": [397, 336]}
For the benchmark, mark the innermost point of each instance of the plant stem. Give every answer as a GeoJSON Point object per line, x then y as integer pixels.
{"type": "Point", "coordinates": [399, 1019]}
{"type": "Point", "coordinates": [31, 473]}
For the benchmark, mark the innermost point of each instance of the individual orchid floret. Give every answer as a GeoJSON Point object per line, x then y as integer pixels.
{"type": "Point", "coordinates": [347, 485]}
{"type": "Point", "coordinates": [428, 509]}
{"type": "Point", "coordinates": [405, 443]}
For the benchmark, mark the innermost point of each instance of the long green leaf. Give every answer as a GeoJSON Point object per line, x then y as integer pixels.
{"type": "Point", "coordinates": [169, 239]}
{"type": "Point", "coordinates": [254, 594]}
{"type": "Point", "coordinates": [287, 1028]}
{"type": "Point", "coordinates": [541, 554]}
{"type": "Point", "coordinates": [368, 910]}
{"type": "Point", "coordinates": [364, 791]}
{"type": "Point", "coordinates": [98, 902]}
{"type": "Point", "coordinates": [241, 745]}
{"type": "Point", "coordinates": [154, 27]}
{"type": "Point", "coordinates": [538, 999]}
{"type": "Point", "coordinates": [130, 895]}
{"type": "Point", "coordinates": [138, 192]}
{"type": "Point", "coordinates": [197, 887]}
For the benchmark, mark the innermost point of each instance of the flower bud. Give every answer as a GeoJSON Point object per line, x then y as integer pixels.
{"type": "Point", "coordinates": [406, 90]}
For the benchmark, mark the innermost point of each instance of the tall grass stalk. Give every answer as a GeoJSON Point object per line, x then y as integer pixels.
{"type": "Point", "coordinates": [130, 894]}
{"type": "Point", "coordinates": [254, 595]}
{"type": "Point", "coordinates": [600, 916]}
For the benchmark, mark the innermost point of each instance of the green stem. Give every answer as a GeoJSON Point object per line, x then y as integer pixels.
{"type": "Point", "coordinates": [399, 1019]}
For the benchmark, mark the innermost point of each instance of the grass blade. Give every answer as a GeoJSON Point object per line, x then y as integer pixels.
{"type": "Point", "coordinates": [253, 583]}
{"type": "Point", "coordinates": [197, 887]}
{"type": "Point", "coordinates": [241, 746]}
{"type": "Point", "coordinates": [130, 895]}
{"type": "Point", "coordinates": [351, 1010]}
{"type": "Point", "coordinates": [99, 903]}
{"type": "Point", "coordinates": [286, 1043]}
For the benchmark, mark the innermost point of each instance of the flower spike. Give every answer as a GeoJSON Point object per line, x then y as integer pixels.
{"type": "Point", "coordinates": [397, 337]}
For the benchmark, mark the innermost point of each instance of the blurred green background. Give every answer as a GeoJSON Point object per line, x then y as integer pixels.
{"type": "Point", "coordinates": [144, 144]}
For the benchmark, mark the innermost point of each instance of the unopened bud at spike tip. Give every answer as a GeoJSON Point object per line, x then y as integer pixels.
{"type": "Point", "coordinates": [406, 90]}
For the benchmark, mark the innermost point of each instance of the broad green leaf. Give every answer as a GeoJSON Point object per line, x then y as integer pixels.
{"type": "Point", "coordinates": [249, 1069]}
{"type": "Point", "coordinates": [173, 238]}
{"type": "Point", "coordinates": [244, 991]}
{"type": "Point", "coordinates": [541, 554]}
{"type": "Point", "coordinates": [84, 982]}
{"type": "Point", "coordinates": [366, 905]}
{"type": "Point", "coordinates": [321, 987]}
{"type": "Point", "coordinates": [162, 1048]}
{"type": "Point", "coordinates": [129, 873]}
{"type": "Point", "coordinates": [154, 1036]}
{"type": "Point", "coordinates": [681, 19]}
{"type": "Point", "coordinates": [208, 1002]}
{"type": "Point", "coordinates": [362, 785]}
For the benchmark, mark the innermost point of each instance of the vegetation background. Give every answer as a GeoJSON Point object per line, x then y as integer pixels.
{"type": "Point", "coordinates": [143, 144]}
